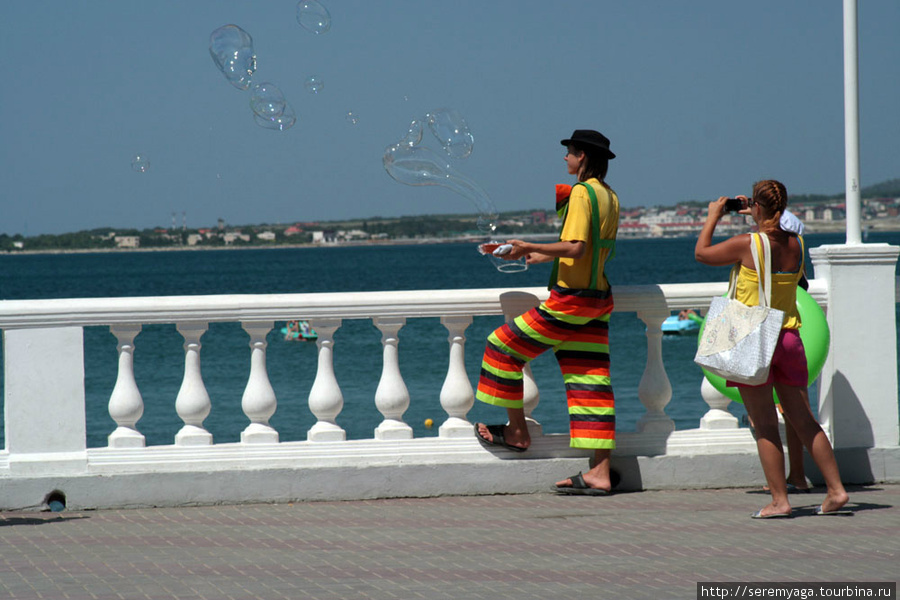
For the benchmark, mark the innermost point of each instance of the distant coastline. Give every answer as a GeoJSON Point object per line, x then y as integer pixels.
{"type": "Point", "coordinates": [879, 210]}
{"type": "Point", "coordinates": [881, 225]}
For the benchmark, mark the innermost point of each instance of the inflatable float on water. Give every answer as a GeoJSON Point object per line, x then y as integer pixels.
{"type": "Point", "coordinates": [299, 331]}
{"type": "Point", "coordinates": [678, 324]}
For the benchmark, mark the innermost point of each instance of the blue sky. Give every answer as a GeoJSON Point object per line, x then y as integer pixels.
{"type": "Point", "coordinates": [700, 98]}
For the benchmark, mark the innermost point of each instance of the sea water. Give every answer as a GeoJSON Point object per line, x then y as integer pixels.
{"type": "Point", "coordinates": [423, 348]}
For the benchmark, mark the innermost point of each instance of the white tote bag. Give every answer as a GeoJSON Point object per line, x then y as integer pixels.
{"type": "Point", "coordinates": [738, 341]}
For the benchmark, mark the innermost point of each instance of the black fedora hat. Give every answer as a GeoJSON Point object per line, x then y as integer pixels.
{"type": "Point", "coordinates": [589, 137]}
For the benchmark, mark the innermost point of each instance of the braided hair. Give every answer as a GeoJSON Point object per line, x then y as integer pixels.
{"type": "Point", "coordinates": [772, 196]}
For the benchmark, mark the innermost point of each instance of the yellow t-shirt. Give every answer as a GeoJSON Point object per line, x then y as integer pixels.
{"type": "Point", "coordinates": [784, 291]}
{"type": "Point", "coordinates": [576, 273]}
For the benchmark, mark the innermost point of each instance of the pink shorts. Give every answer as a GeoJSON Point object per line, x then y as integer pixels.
{"type": "Point", "coordinates": [788, 362]}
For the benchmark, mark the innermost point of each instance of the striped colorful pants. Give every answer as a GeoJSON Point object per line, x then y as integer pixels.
{"type": "Point", "coordinates": [575, 324]}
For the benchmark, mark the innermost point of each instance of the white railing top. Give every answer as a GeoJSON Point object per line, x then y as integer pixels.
{"type": "Point", "coordinates": [19, 314]}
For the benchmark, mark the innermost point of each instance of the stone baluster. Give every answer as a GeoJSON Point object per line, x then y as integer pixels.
{"type": "Point", "coordinates": [717, 417]}
{"type": "Point", "coordinates": [514, 304]}
{"type": "Point", "coordinates": [325, 398]}
{"type": "Point", "coordinates": [457, 396]}
{"type": "Point", "coordinates": [126, 406]}
{"type": "Point", "coordinates": [654, 390]}
{"type": "Point", "coordinates": [258, 402]}
{"type": "Point", "coordinates": [192, 403]}
{"type": "Point", "coordinates": [391, 396]}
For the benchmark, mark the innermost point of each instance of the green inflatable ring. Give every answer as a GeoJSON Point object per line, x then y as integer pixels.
{"type": "Point", "coordinates": [815, 336]}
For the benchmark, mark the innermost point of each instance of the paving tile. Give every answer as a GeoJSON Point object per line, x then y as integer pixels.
{"type": "Point", "coordinates": [637, 545]}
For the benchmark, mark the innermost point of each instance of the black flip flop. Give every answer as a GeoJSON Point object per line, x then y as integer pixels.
{"type": "Point", "coordinates": [580, 487]}
{"type": "Point", "coordinates": [498, 439]}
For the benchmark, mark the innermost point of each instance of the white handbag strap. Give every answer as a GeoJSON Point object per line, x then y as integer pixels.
{"type": "Point", "coordinates": [765, 291]}
{"type": "Point", "coordinates": [732, 281]}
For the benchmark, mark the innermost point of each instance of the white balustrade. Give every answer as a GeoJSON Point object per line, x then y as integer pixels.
{"type": "Point", "coordinates": [258, 402]}
{"type": "Point", "coordinates": [457, 395]}
{"type": "Point", "coordinates": [192, 403]}
{"type": "Point", "coordinates": [126, 406]}
{"type": "Point", "coordinates": [654, 390]}
{"type": "Point", "coordinates": [391, 396]}
{"type": "Point", "coordinates": [45, 423]}
{"type": "Point", "coordinates": [325, 398]}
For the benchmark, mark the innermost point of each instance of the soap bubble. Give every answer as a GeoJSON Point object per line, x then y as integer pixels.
{"type": "Point", "coordinates": [267, 101]}
{"type": "Point", "coordinates": [451, 130]}
{"type": "Point", "coordinates": [414, 136]}
{"type": "Point", "coordinates": [419, 165]}
{"type": "Point", "coordinates": [352, 117]}
{"type": "Point", "coordinates": [314, 84]}
{"type": "Point", "coordinates": [487, 222]}
{"type": "Point", "coordinates": [140, 163]}
{"type": "Point", "coordinates": [312, 16]}
{"type": "Point", "coordinates": [280, 122]}
{"type": "Point", "coordinates": [232, 50]}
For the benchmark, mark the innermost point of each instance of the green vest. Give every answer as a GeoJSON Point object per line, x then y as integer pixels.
{"type": "Point", "coordinates": [597, 241]}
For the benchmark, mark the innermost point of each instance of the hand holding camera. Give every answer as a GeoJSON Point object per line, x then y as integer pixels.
{"type": "Point", "coordinates": [735, 204]}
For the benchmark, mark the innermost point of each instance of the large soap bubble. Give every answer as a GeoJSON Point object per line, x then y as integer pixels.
{"type": "Point", "coordinates": [312, 16]}
{"type": "Point", "coordinates": [267, 101]}
{"type": "Point", "coordinates": [232, 50]}
{"type": "Point", "coordinates": [285, 120]}
{"type": "Point", "coordinates": [419, 165]}
{"type": "Point", "coordinates": [451, 130]}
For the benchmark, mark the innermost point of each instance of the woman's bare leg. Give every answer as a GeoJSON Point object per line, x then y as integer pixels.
{"type": "Point", "coordinates": [761, 408]}
{"type": "Point", "coordinates": [795, 402]}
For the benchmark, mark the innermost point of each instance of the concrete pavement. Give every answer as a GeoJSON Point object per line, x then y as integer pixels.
{"type": "Point", "coordinates": [655, 544]}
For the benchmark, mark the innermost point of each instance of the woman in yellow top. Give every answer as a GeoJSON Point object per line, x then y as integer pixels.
{"type": "Point", "coordinates": [788, 375]}
{"type": "Point", "coordinates": [573, 322]}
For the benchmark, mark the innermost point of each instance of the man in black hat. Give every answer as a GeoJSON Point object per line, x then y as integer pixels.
{"type": "Point", "coordinates": [574, 322]}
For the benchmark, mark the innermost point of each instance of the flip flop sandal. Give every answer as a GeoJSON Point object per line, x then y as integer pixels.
{"type": "Point", "coordinates": [498, 439]}
{"type": "Point", "coordinates": [820, 512]}
{"type": "Point", "coordinates": [579, 487]}
{"type": "Point", "coordinates": [758, 515]}
{"type": "Point", "coordinates": [793, 489]}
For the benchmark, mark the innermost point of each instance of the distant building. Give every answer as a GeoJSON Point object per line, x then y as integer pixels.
{"type": "Point", "coordinates": [233, 236]}
{"type": "Point", "coordinates": [293, 230]}
{"type": "Point", "coordinates": [128, 241]}
{"type": "Point", "coordinates": [629, 230]}
{"type": "Point", "coordinates": [268, 236]}
{"type": "Point", "coordinates": [353, 234]}
{"type": "Point", "coordinates": [324, 237]}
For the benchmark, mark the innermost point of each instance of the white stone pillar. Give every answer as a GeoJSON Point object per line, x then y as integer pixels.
{"type": "Point", "coordinates": [126, 406]}
{"type": "Point", "coordinates": [325, 398]}
{"type": "Point", "coordinates": [391, 396]}
{"type": "Point", "coordinates": [192, 403]}
{"type": "Point", "coordinates": [858, 383]}
{"type": "Point", "coordinates": [44, 401]}
{"type": "Point", "coordinates": [258, 402]}
{"type": "Point", "coordinates": [654, 390]}
{"type": "Point", "coordinates": [457, 395]}
{"type": "Point", "coordinates": [514, 304]}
